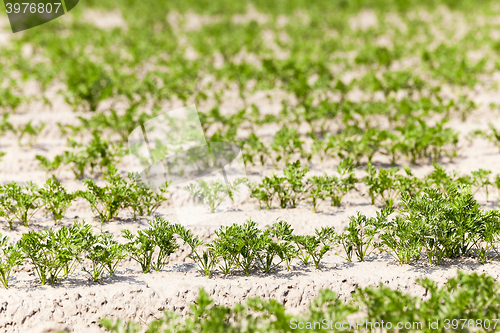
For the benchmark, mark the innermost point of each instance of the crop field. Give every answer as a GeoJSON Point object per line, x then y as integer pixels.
{"type": "Point", "coordinates": [369, 132]}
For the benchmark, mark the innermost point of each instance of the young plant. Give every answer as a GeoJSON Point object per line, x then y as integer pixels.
{"type": "Point", "coordinates": [278, 188]}
{"type": "Point", "coordinates": [47, 165]}
{"type": "Point", "coordinates": [107, 201]}
{"type": "Point", "coordinates": [7, 209]}
{"type": "Point", "coordinates": [104, 253]}
{"type": "Point", "coordinates": [51, 253]}
{"type": "Point", "coordinates": [399, 239]}
{"type": "Point", "coordinates": [144, 200]}
{"type": "Point", "coordinates": [225, 247]}
{"type": "Point", "coordinates": [445, 222]}
{"type": "Point", "coordinates": [360, 233]}
{"type": "Point", "coordinates": [253, 148]}
{"type": "Point", "coordinates": [120, 124]}
{"type": "Point", "coordinates": [492, 237]}
{"type": "Point", "coordinates": [316, 246]}
{"type": "Point", "coordinates": [343, 184]}
{"type": "Point", "coordinates": [120, 327]}
{"type": "Point", "coordinates": [420, 140]}
{"type": "Point", "coordinates": [5, 125]}
{"type": "Point", "coordinates": [65, 128]}
{"type": "Point", "coordinates": [162, 233]}
{"type": "Point", "coordinates": [289, 190]}
{"type": "Point", "coordinates": [142, 245]}
{"type": "Point", "coordinates": [319, 189]}
{"type": "Point", "coordinates": [96, 253]}
{"type": "Point", "coordinates": [384, 185]}
{"type": "Point", "coordinates": [264, 194]}
{"type": "Point", "coordinates": [301, 244]}
{"type": "Point", "coordinates": [484, 236]}
{"type": "Point", "coordinates": [115, 252]}
{"type": "Point", "coordinates": [272, 249]}
{"type": "Point", "coordinates": [240, 246]}
{"type": "Point", "coordinates": [481, 180]}
{"type": "Point", "coordinates": [214, 192]}
{"type": "Point", "coordinates": [284, 234]}
{"type": "Point", "coordinates": [55, 198]}
{"type": "Point", "coordinates": [493, 136]}
{"type": "Point", "coordinates": [354, 143]}
{"type": "Point", "coordinates": [308, 247]}
{"type": "Point", "coordinates": [69, 240]}
{"type": "Point", "coordinates": [371, 181]}
{"type": "Point", "coordinates": [250, 242]}
{"type": "Point", "coordinates": [297, 185]}
{"type": "Point", "coordinates": [10, 258]}
{"type": "Point", "coordinates": [29, 129]}
{"type": "Point", "coordinates": [270, 252]}
{"type": "Point", "coordinates": [19, 202]}
{"type": "Point", "coordinates": [287, 143]}
{"type": "Point", "coordinates": [497, 185]}
{"type": "Point", "coordinates": [90, 84]}
{"type": "Point", "coordinates": [99, 153]}
{"type": "Point", "coordinates": [141, 248]}
{"type": "Point", "coordinates": [207, 260]}
{"type": "Point", "coordinates": [439, 179]}
{"type": "Point", "coordinates": [408, 183]}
